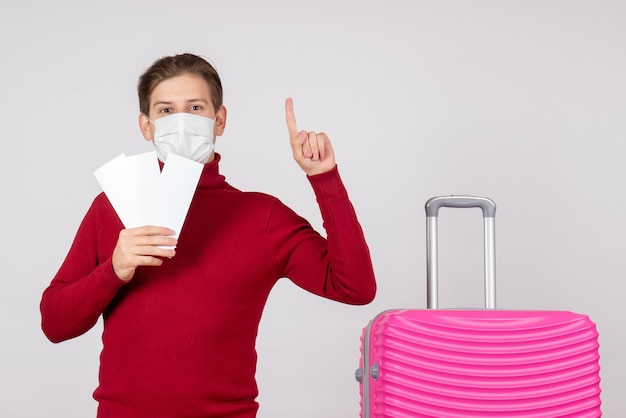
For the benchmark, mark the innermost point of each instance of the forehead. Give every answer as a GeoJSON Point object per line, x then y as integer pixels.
{"type": "Point", "coordinates": [180, 88]}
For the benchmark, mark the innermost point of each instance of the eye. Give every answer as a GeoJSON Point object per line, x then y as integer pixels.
{"type": "Point", "coordinates": [196, 108]}
{"type": "Point", "coordinates": [165, 110]}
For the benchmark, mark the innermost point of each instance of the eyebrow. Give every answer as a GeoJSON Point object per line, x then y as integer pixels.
{"type": "Point", "coordinates": [188, 101]}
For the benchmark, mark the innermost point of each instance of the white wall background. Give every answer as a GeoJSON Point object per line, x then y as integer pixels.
{"type": "Point", "coordinates": [521, 101]}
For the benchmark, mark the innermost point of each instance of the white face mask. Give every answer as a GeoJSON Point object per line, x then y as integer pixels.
{"type": "Point", "coordinates": [184, 134]}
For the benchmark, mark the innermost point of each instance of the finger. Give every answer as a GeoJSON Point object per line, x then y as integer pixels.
{"type": "Point", "coordinates": [323, 143]}
{"type": "Point", "coordinates": [141, 238]}
{"type": "Point", "coordinates": [305, 146]}
{"type": "Point", "coordinates": [298, 144]}
{"type": "Point", "coordinates": [149, 261]}
{"type": "Point", "coordinates": [149, 230]}
{"type": "Point", "coordinates": [126, 261]}
{"type": "Point", "coordinates": [153, 251]}
{"type": "Point", "coordinates": [157, 241]}
{"type": "Point", "coordinates": [291, 118]}
{"type": "Point", "coordinates": [314, 146]}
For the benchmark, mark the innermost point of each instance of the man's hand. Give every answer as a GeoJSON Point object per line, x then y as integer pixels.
{"type": "Point", "coordinates": [311, 150]}
{"type": "Point", "coordinates": [141, 247]}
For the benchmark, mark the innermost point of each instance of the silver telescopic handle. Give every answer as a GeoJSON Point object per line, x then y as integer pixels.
{"type": "Point", "coordinates": [432, 213]}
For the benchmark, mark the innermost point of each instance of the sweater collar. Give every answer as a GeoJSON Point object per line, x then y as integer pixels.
{"type": "Point", "coordinates": [211, 177]}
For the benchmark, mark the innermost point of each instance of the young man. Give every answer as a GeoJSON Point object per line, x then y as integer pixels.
{"type": "Point", "coordinates": [180, 324]}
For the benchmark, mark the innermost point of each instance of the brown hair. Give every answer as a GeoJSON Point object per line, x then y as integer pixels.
{"type": "Point", "coordinates": [172, 66]}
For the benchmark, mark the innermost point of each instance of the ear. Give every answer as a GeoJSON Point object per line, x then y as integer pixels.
{"type": "Point", "coordinates": [220, 121]}
{"type": "Point", "coordinates": [147, 129]}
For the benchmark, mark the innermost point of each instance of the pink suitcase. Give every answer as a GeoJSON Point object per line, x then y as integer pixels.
{"type": "Point", "coordinates": [480, 362]}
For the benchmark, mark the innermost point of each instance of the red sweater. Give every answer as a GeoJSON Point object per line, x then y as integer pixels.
{"type": "Point", "coordinates": [179, 339]}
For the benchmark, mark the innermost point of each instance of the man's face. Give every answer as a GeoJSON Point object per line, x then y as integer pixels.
{"type": "Point", "coordinates": [184, 93]}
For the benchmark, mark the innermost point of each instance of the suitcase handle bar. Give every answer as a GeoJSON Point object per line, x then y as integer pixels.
{"type": "Point", "coordinates": [432, 213]}
{"type": "Point", "coordinates": [487, 205]}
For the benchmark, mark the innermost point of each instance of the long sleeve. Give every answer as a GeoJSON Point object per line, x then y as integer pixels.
{"type": "Point", "coordinates": [84, 284]}
{"type": "Point", "coordinates": [339, 266]}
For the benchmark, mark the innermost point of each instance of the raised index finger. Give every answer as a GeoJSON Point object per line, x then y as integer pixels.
{"type": "Point", "coordinates": [291, 118]}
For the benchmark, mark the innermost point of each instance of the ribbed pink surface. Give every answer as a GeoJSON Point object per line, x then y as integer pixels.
{"type": "Point", "coordinates": [484, 363]}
